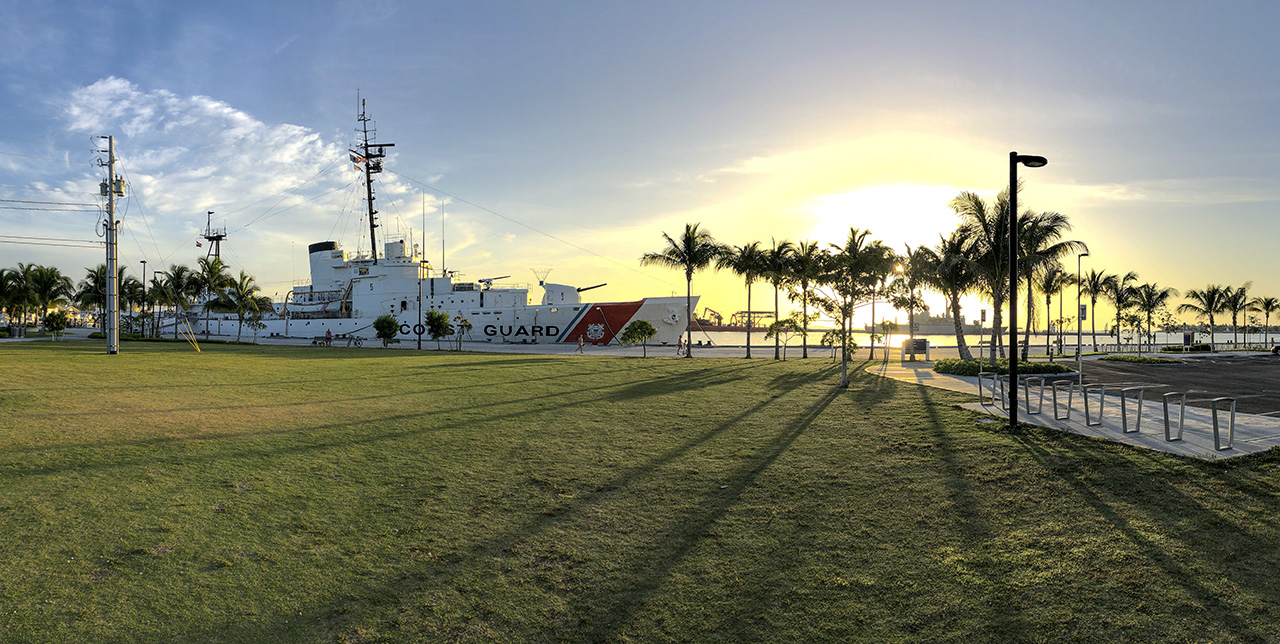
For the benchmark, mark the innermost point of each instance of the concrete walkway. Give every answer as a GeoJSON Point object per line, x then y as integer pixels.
{"type": "Point", "coordinates": [1253, 433]}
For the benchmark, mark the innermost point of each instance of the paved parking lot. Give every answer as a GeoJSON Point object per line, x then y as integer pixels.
{"type": "Point", "coordinates": [1253, 379]}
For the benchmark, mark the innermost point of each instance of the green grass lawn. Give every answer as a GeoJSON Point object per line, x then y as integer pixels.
{"type": "Point", "coordinates": [294, 494]}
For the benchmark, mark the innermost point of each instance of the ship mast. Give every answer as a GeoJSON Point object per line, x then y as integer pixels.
{"type": "Point", "coordinates": [370, 154]}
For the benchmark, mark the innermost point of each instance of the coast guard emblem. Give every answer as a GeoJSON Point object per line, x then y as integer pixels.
{"type": "Point", "coordinates": [595, 331]}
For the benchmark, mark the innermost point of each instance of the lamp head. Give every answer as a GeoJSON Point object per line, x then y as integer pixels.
{"type": "Point", "coordinates": [1032, 161]}
{"type": "Point", "coordinates": [1084, 254]}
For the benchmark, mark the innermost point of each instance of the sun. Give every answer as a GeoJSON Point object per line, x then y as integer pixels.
{"type": "Point", "coordinates": [895, 214]}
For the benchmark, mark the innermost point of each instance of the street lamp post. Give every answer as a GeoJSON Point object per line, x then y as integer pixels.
{"type": "Point", "coordinates": [1031, 162]}
{"type": "Point", "coordinates": [144, 296]}
{"type": "Point", "coordinates": [1079, 322]}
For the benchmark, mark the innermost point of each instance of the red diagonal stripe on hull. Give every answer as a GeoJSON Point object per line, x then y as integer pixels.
{"type": "Point", "coordinates": [613, 317]}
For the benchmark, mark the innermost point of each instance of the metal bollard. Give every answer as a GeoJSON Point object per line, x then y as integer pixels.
{"type": "Point", "coordinates": [1124, 410]}
{"type": "Point", "coordinates": [1231, 428]}
{"type": "Point", "coordinates": [1071, 387]}
{"type": "Point", "coordinates": [1182, 415]}
{"type": "Point", "coordinates": [1026, 392]}
{"type": "Point", "coordinates": [1102, 400]}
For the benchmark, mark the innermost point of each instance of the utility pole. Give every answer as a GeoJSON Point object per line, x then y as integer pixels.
{"type": "Point", "coordinates": [370, 155]}
{"type": "Point", "coordinates": [111, 188]}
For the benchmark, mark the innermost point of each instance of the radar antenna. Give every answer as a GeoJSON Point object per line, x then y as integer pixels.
{"type": "Point", "coordinates": [369, 155]}
{"type": "Point", "coordinates": [214, 236]}
{"type": "Point", "coordinates": [541, 274]}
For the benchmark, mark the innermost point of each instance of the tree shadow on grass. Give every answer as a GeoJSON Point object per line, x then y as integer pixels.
{"type": "Point", "coordinates": [1003, 616]}
{"type": "Point", "coordinates": [1166, 506]}
{"type": "Point", "coordinates": [607, 613]}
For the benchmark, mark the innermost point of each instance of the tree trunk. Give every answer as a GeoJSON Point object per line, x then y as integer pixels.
{"type": "Point", "coordinates": [748, 320]}
{"type": "Point", "coordinates": [1093, 322]}
{"type": "Point", "coordinates": [804, 322]}
{"type": "Point", "coordinates": [777, 347]}
{"type": "Point", "coordinates": [1026, 345]}
{"type": "Point", "coordinates": [688, 311]}
{"type": "Point", "coordinates": [965, 354]}
{"type": "Point", "coordinates": [1048, 307]}
{"type": "Point", "coordinates": [997, 316]}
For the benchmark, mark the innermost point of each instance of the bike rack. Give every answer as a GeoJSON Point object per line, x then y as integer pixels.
{"type": "Point", "coordinates": [1124, 411]}
{"type": "Point", "coordinates": [1182, 414]}
{"type": "Point", "coordinates": [1071, 388]}
{"type": "Point", "coordinates": [983, 375]}
{"type": "Point", "coordinates": [1102, 400]}
{"type": "Point", "coordinates": [1026, 391]}
{"type": "Point", "coordinates": [1231, 428]}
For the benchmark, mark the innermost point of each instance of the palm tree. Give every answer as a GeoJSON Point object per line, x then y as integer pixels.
{"type": "Point", "coordinates": [241, 297]}
{"type": "Point", "coordinates": [1095, 284]}
{"type": "Point", "coordinates": [949, 269]}
{"type": "Point", "coordinates": [49, 287]}
{"type": "Point", "coordinates": [11, 292]}
{"type": "Point", "coordinates": [179, 285]}
{"type": "Point", "coordinates": [914, 268]}
{"type": "Point", "coordinates": [777, 259]}
{"type": "Point", "coordinates": [1150, 298]}
{"type": "Point", "coordinates": [808, 263]}
{"type": "Point", "coordinates": [694, 251]}
{"type": "Point", "coordinates": [1237, 303]}
{"type": "Point", "coordinates": [1266, 306]}
{"type": "Point", "coordinates": [1120, 292]}
{"type": "Point", "coordinates": [984, 226]}
{"type": "Point", "coordinates": [1041, 245]}
{"type": "Point", "coordinates": [851, 274]}
{"type": "Point", "coordinates": [213, 277]}
{"type": "Point", "coordinates": [1051, 280]}
{"type": "Point", "coordinates": [747, 262]}
{"type": "Point", "coordinates": [1207, 302]}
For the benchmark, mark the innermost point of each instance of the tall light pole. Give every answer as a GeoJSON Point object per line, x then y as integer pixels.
{"type": "Point", "coordinates": [144, 297]}
{"type": "Point", "coordinates": [1031, 162]}
{"type": "Point", "coordinates": [1079, 321]}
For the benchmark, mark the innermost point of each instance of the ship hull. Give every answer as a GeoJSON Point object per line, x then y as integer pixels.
{"type": "Point", "coordinates": [599, 323]}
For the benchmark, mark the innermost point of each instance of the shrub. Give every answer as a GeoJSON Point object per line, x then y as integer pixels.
{"type": "Point", "coordinates": [958, 367]}
{"type": "Point", "coordinates": [386, 328]}
{"type": "Point", "coordinates": [639, 332]}
{"type": "Point", "coordinates": [1140, 359]}
{"type": "Point", "coordinates": [1177, 348]}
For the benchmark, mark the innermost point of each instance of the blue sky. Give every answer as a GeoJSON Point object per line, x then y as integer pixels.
{"type": "Point", "coordinates": [604, 124]}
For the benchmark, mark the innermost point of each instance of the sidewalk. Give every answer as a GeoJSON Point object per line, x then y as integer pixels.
{"type": "Point", "coordinates": [1253, 433]}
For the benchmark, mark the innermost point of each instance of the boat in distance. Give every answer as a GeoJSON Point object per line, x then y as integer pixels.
{"type": "Point", "coordinates": [348, 292]}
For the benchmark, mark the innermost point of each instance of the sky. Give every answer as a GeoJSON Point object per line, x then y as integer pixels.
{"type": "Point", "coordinates": [570, 135]}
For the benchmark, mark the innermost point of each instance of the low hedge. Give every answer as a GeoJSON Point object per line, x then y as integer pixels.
{"type": "Point", "coordinates": [958, 367]}
{"type": "Point", "coordinates": [1141, 359]}
{"type": "Point", "coordinates": [1195, 348]}
{"type": "Point", "coordinates": [133, 337]}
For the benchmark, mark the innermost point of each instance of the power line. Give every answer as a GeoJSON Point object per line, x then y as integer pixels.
{"type": "Point", "coordinates": [69, 192]}
{"type": "Point", "coordinates": [45, 209]}
{"type": "Point", "coordinates": [63, 239]}
{"type": "Point", "coordinates": [42, 127]}
{"type": "Point", "coordinates": [305, 201]}
{"type": "Point", "coordinates": [28, 156]}
{"type": "Point", "coordinates": [291, 189]}
{"type": "Point", "coordinates": [141, 211]}
{"type": "Point", "coordinates": [56, 145]}
{"type": "Point", "coordinates": [97, 245]}
{"type": "Point", "coordinates": [49, 203]}
{"type": "Point", "coordinates": [521, 223]}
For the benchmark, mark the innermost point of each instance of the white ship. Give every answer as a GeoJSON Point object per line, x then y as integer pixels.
{"type": "Point", "coordinates": [347, 293]}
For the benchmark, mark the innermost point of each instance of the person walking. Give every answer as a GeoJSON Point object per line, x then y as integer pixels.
{"type": "Point", "coordinates": [581, 342]}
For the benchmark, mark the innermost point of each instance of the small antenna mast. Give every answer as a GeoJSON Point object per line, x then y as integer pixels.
{"type": "Point", "coordinates": [370, 154]}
